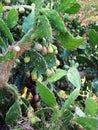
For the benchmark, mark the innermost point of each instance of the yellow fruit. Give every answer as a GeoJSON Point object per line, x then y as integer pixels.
{"type": "Point", "coordinates": [50, 49]}
{"type": "Point", "coordinates": [40, 78]}
{"type": "Point", "coordinates": [55, 51]}
{"type": "Point", "coordinates": [49, 72]}
{"type": "Point", "coordinates": [24, 92]}
{"type": "Point", "coordinates": [54, 67]}
{"type": "Point", "coordinates": [30, 96]}
{"type": "Point", "coordinates": [34, 76]}
{"type": "Point", "coordinates": [57, 62]}
{"type": "Point", "coordinates": [63, 94]}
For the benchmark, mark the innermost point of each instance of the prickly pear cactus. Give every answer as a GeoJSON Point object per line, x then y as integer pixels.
{"type": "Point", "coordinates": [38, 61]}
{"type": "Point", "coordinates": [7, 99]}
{"type": "Point", "coordinates": [50, 60]}
{"type": "Point", "coordinates": [13, 114]}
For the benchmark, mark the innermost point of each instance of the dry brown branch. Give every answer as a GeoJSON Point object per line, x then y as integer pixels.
{"type": "Point", "coordinates": [6, 66]}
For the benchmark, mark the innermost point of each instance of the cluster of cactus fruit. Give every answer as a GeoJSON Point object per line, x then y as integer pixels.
{"type": "Point", "coordinates": [43, 50]}
{"type": "Point", "coordinates": [39, 62]}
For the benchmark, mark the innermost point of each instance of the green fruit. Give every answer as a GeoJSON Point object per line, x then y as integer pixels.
{"type": "Point", "coordinates": [17, 61]}
{"type": "Point", "coordinates": [27, 59]}
{"type": "Point", "coordinates": [49, 72]}
{"type": "Point", "coordinates": [7, 1]}
{"type": "Point", "coordinates": [55, 51]}
{"type": "Point", "coordinates": [54, 47]}
{"type": "Point", "coordinates": [38, 47]}
{"type": "Point", "coordinates": [21, 10]}
{"type": "Point", "coordinates": [40, 78]}
{"type": "Point", "coordinates": [34, 120]}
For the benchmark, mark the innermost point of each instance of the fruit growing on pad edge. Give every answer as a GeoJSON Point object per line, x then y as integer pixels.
{"type": "Point", "coordinates": [33, 76]}
{"type": "Point", "coordinates": [36, 97]}
{"type": "Point", "coordinates": [27, 59]}
{"type": "Point", "coordinates": [50, 49]}
{"type": "Point", "coordinates": [44, 50]}
{"type": "Point", "coordinates": [38, 47]}
{"type": "Point", "coordinates": [49, 72]}
{"type": "Point", "coordinates": [21, 10]}
{"type": "Point", "coordinates": [7, 2]}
